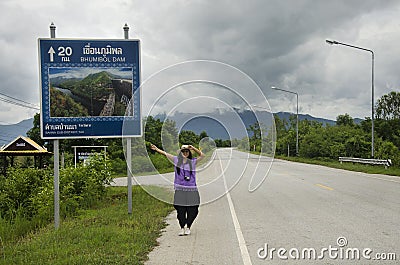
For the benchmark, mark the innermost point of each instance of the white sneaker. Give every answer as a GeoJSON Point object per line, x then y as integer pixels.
{"type": "Point", "coordinates": [182, 232]}
{"type": "Point", "coordinates": [187, 231]}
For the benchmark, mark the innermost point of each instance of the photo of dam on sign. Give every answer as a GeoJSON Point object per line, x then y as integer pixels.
{"type": "Point", "coordinates": [90, 91]}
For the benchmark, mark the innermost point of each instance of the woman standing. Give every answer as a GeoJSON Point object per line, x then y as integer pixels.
{"type": "Point", "coordinates": [186, 197]}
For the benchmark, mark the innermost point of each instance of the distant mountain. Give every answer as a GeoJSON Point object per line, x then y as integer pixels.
{"type": "Point", "coordinates": [357, 120]}
{"type": "Point", "coordinates": [69, 81]}
{"type": "Point", "coordinates": [12, 131]}
{"type": "Point", "coordinates": [56, 81]}
{"type": "Point", "coordinates": [225, 125]}
{"type": "Point", "coordinates": [102, 74]}
{"type": "Point", "coordinates": [218, 124]}
{"type": "Point", "coordinates": [286, 116]}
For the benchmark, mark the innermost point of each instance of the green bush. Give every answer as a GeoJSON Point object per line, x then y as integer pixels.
{"type": "Point", "coordinates": [162, 163]}
{"type": "Point", "coordinates": [17, 190]}
{"type": "Point", "coordinates": [118, 166]}
{"type": "Point", "coordinates": [141, 164]}
{"type": "Point", "coordinates": [387, 150]}
{"type": "Point", "coordinates": [27, 195]}
{"type": "Point", "coordinates": [84, 185]}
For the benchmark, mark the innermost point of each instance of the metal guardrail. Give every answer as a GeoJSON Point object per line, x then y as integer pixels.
{"type": "Point", "coordinates": [386, 162]}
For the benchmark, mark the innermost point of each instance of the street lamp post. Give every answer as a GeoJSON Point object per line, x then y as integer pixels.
{"type": "Point", "coordinates": [297, 116]}
{"type": "Point", "coordinates": [333, 42]}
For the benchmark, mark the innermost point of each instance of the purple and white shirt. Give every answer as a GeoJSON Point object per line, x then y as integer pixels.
{"type": "Point", "coordinates": [179, 182]}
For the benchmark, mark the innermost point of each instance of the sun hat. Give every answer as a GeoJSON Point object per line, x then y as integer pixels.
{"type": "Point", "coordinates": [185, 147]}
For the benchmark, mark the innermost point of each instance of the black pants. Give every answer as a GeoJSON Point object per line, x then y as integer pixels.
{"type": "Point", "coordinates": [186, 215]}
{"type": "Point", "coordinates": [186, 204]}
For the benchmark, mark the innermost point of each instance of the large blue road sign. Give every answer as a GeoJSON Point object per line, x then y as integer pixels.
{"type": "Point", "coordinates": [90, 88]}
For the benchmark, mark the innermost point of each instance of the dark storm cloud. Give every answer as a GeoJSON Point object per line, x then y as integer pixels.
{"type": "Point", "coordinates": [280, 43]}
{"type": "Point", "coordinates": [277, 42]}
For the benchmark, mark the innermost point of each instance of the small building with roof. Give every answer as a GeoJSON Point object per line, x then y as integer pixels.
{"type": "Point", "coordinates": [23, 146]}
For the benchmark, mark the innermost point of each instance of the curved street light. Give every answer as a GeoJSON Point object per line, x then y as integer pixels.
{"type": "Point", "coordinates": [333, 42]}
{"type": "Point", "coordinates": [297, 116]}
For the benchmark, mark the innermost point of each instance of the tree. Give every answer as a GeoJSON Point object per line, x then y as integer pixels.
{"type": "Point", "coordinates": [153, 131]}
{"type": "Point", "coordinates": [255, 129]}
{"type": "Point", "coordinates": [357, 146]}
{"type": "Point", "coordinates": [222, 143]}
{"type": "Point", "coordinates": [280, 126]}
{"type": "Point", "coordinates": [255, 136]}
{"type": "Point", "coordinates": [169, 135]}
{"type": "Point", "coordinates": [170, 127]}
{"type": "Point", "coordinates": [64, 106]}
{"type": "Point", "coordinates": [34, 132]}
{"type": "Point", "coordinates": [389, 130]}
{"type": "Point", "coordinates": [188, 137]}
{"type": "Point", "coordinates": [203, 135]}
{"type": "Point", "coordinates": [344, 120]}
{"type": "Point", "coordinates": [388, 106]}
{"type": "Point", "coordinates": [387, 123]}
{"type": "Point", "coordinates": [387, 150]}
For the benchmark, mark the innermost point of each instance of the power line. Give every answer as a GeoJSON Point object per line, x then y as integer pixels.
{"type": "Point", "coordinates": [18, 102]}
{"type": "Point", "coordinates": [18, 99]}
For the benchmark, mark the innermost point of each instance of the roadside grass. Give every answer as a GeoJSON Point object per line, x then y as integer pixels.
{"type": "Point", "coordinates": [105, 234]}
{"type": "Point", "coordinates": [12, 231]}
{"type": "Point", "coordinates": [328, 162]}
{"type": "Point", "coordinates": [370, 169]}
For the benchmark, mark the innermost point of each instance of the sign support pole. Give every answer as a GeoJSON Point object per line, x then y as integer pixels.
{"type": "Point", "coordinates": [129, 166]}
{"type": "Point", "coordinates": [128, 149]}
{"type": "Point", "coordinates": [56, 162]}
{"type": "Point", "coordinates": [75, 156]}
{"type": "Point", "coordinates": [56, 184]}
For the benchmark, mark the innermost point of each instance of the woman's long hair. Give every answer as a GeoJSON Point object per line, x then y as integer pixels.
{"type": "Point", "coordinates": [180, 162]}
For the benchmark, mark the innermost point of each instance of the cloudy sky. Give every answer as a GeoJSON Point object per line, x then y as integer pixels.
{"type": "Point", "coordinates": [277, 43]}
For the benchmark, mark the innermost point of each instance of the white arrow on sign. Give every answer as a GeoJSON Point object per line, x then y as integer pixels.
{"type": "Point", "coordinates": [51, 52]}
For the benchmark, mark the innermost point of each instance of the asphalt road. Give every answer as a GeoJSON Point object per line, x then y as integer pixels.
{"type": "Point", "coordinates": [299, 209]}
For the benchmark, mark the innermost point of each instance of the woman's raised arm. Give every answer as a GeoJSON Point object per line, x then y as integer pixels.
{"type": "Point", "coordinates": [200, 153]}
{"type": "Point", "coordinates": [158, 150]}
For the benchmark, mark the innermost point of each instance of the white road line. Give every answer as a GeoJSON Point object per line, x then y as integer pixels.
{"type": "Point", "coordinates": [242, 243]}
{"type": "Point", "coordinates": [391, 180]}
